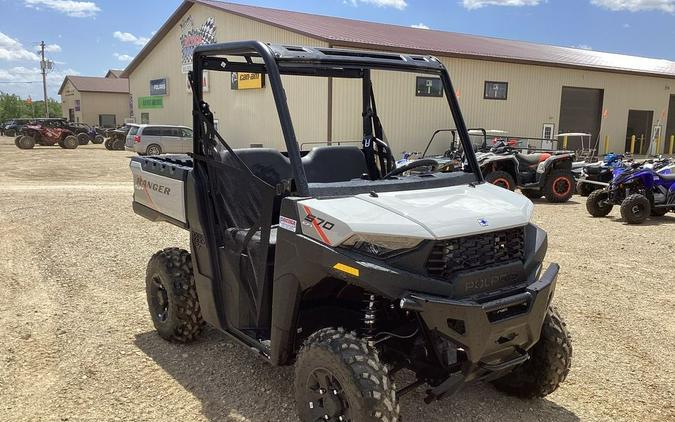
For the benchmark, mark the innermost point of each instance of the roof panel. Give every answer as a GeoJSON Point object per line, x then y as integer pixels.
{"type": "Point", "coordinates": [357, 33]}
{"type": "Point", "coordinates": [98, 84]}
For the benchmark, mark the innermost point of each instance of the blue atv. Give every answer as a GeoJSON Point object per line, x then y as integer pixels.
{"type": "Point", "coordinates": [598, 175]}
{"type": "Point", "coordinates": [642, 190]}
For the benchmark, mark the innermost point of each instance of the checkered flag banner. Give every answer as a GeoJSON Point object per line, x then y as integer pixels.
{"type": "Point", "coordinates": [208, 31]}
{"type": "Point", "coordinates": [191, 37]}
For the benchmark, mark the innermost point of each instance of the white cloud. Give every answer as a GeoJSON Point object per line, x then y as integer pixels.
{"type": "Point", "coordinates": [477, 4]}
{"type": "Point", "coordinates": [667, 6]}
{"type": "Point", "coordinates": [396, 4]}
{"type": "Point", "coordinates": [130, 38]}
{"type": "Point", "coordinates": [626, 25]}
{"type": "Point", "coordinates": [420, 26]}
{"type": "Point", "coordinates": [51, 48]}
{"type": "Point", "coordinates": [11, 49]}
{"type": "Point", "coordinates": [123, 57]}
{"type": "Point", "coordinates": [73, 8]}
{"type": "Point", "coordinates": [583, 47]}
{"type": "Point", "coordinates": [18, 77]}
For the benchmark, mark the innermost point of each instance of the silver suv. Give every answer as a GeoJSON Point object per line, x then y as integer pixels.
{"type": "Point", "coordinates": [159, 139]}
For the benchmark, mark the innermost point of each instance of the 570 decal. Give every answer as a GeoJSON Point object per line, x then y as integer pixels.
{"type": "Point", "coordinates": [312, 219]}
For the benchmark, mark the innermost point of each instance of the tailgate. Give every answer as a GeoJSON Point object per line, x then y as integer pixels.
{"type": "Point", "coordinates": [159, 185]}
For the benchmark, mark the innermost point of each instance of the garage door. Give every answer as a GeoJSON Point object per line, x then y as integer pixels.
{"type": "Point", "coordinates": [580, 111]}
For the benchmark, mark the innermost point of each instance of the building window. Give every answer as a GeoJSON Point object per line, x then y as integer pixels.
{"type": "Point", "coordinates": [145, 118]}
{"type": "Point", "coordinates": [429, 87]}
{"type": "Point", "coordinates": [107, 120]}
{"type": "Point", "coordinates": [547, 131]}
{"type": "Point", "coordinates": [496, 90]}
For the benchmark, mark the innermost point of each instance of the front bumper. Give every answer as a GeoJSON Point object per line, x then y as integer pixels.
{"type": "Point", "coordinates": [490, 331]}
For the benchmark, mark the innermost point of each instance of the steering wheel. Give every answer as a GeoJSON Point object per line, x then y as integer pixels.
{"type": "Point", "coordinates": [425, 162]}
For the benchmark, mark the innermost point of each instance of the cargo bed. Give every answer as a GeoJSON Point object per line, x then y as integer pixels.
{"type": "Point", "coordinates": [160, 187]}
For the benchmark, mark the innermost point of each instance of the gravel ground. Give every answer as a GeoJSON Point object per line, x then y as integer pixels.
{"type": "Point", "coordinates": [76, 340]}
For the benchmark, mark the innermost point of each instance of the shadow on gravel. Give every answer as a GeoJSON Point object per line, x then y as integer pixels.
{"type": "Point", "coordinates": [557, 204]}
{"type": "Point", "coordinates": [234, 384]}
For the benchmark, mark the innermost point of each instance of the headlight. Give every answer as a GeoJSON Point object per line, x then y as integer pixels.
{"type": "Point", "coordinates": [379, 245]}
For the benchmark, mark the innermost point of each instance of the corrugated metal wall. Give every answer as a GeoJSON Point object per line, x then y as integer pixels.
{"type": "Point", "coordinates": [246, 117]}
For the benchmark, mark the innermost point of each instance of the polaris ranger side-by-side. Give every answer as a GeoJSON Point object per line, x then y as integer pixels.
{"type": "Point", "coordinates": [343, 265]}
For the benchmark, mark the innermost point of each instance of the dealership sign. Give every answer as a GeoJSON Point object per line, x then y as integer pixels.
{"type": "Point", "coordinates": [245, 80]}
{"type": "Point", "coordinates": [151, 102]}
{"type": "Point", "coordinates": [192, 36]}
{"type": "Point", "coordinates": [159, 87]}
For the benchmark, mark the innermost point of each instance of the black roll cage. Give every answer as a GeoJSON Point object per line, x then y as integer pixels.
{"type": "Point", "coordinates": [280, 60]}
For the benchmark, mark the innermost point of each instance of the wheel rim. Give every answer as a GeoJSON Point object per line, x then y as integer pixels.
{"type": "Point", "coordinates": [637, 209]}
{"type": "Point", "coordinates": [561, 186]}
{"type": "Point", "coordinates": [328, 401]}
{"type": "Point", "coordinates": [159, 299]}
{"type": "Point", "coordinates": [153, 151]}
{"type": "Point", "coordinates": [502, 183]}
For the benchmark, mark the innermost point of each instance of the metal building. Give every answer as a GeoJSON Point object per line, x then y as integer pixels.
{"type": "Point", "coordinates": [523, 88]}
{"type": "Point", "coordinates": [94, 100]}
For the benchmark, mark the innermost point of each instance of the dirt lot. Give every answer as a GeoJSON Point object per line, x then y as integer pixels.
{"type": "Point", "coordinates": [76, 341]}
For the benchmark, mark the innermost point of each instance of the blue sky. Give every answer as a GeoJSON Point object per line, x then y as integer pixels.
{"type": "Point", "coordinates": [89, 37]}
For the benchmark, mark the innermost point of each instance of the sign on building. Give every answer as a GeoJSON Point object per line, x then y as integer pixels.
{"type": "Point", "coordinates": [244, 80]}
{"type": "Point", "coordinates": [159, 87]}
{"type": "Point", "coordinates": [151, 102]}
{"type": "Point", "coordinates": [192, 36]}
{"type": "Point", "coordinates": [205, 82]}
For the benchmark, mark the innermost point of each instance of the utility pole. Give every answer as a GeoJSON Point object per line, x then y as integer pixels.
{"type": "Point", "coordinates": [43, 67]}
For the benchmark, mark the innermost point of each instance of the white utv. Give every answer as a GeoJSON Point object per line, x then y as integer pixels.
{"type": "Point", "coordinates": [336, 262]}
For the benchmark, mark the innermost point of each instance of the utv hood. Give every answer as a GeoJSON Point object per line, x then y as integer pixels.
{"type": "Point", "coordinates": [438, 213]}
{"type": "Point", "coordinates": [458, 210]}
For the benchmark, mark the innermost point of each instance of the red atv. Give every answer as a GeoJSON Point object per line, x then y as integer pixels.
{"type": "Point", "coordinates": [37, 133]}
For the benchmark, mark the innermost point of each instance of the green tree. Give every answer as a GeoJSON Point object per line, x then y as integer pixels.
{"type": "Point", "coordinates": [12, 106]}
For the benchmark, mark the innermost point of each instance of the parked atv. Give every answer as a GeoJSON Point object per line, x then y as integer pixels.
{"type": "Point", "coordinates": [598, 175]}
{"type": "Point", "coordinates": [13, 127]}
{"type": "Point", "coordinates": [640, 191]}
{"type": "Point", "coordinates": [341, 264]}
{"type": "Point", "coordinates": [547, 174]}
{"type": "Point", "coordinates": [117, 138]}
{"type": "Point", "coordinates": [44, 135]}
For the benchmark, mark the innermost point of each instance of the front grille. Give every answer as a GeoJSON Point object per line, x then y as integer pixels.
{"type": "Point", "coordinates": [475, 252]}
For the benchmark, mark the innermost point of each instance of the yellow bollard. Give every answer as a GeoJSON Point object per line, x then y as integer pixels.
{"type": "Point", "coordinates": [606, 144]}
{"type": "Point", "coordinates": [632, 144]}
{"type": "Point", "coordinates": [565, 142]}
{"type": "Point", "coordinates": [672, 141]}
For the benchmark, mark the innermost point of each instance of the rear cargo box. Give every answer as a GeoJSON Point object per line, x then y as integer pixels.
{"type": "Point", "coordinates": [159, 187]}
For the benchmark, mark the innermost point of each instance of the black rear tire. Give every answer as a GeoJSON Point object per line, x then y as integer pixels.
{"type": "Point", "coordinates": [70, 142]}
{"type": "Point", "coordinates": [16, 141]}
{"type": "Point", "coordinates": [659, 212]}
{"type": "Point", "coordinates": [585, 189]}
{"type": "Point", "coordinates": [635, 209]}
{"type": "Point", "coordinates": [10, 133]}
{"type": "Point", "coordinates": [83, 138]}
{"type": "Point", "coordinates": [502, 179]}
{"type": "Point", "coordinates": [339, 374]}
{"type": "Point", "coordinates": [108, 144]}
{"type": "Point", "coordinates": [26, 142]}
{"type": "Point", "coordinates": [549, 363]}
{"type": "Point", "coordinates": [532, 193]}
{"type": "Point", "coordinates": [596, 204]}
{"type": "Point", "coordinates": [98, 139]}
{"type": "Point", "coordinates": [559, 186]}
{"type": "Point", "coordinates": [117, 145]}
{"type": "Point", "coordinates": [172, 296]}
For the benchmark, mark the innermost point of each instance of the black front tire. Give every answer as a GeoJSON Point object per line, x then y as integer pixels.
{"type": "Point", "coordinates": [70, 142]}
{"type": "Point", "coordinates": [635, 209]}
{"type": "Point", "coordinates": [502, 179]}
{"type": "Point", "coordinates": [559, 186]}
{"type": "Point", "coordinates": [597, 205]}
{"type": "Point", "coordinates": [108, 144]}
{"type": "Point", "coordinates": [98, 139]}
{"type": "Point", "coordinates": [10, 133]}
{"type": "Point", "coordinates": [83, 138]}
{"type": "Point", "coordinates": [339, 374]}
{"type": "Point", "coordinates": [117, 145]}
{"type": "Point", "coordinates": [172, 296]}
{"type": "Point", "coordinates": [549, 363]}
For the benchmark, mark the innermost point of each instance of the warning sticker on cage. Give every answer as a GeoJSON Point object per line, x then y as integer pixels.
{"type": "Point", "coordinates": [287, 223]}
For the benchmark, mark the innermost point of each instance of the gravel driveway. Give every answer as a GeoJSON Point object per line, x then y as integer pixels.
{"type": "Point", "coordinates": [76, 340]}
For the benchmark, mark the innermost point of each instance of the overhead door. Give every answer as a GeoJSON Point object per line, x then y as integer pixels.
{"type": "Point", "coordinates": [670, 127]}
{"type": "Point", "coordinates": [580, 111]}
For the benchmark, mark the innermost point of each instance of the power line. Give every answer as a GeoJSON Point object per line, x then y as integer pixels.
{"type": "Point", "coordinates": [20, 82]}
